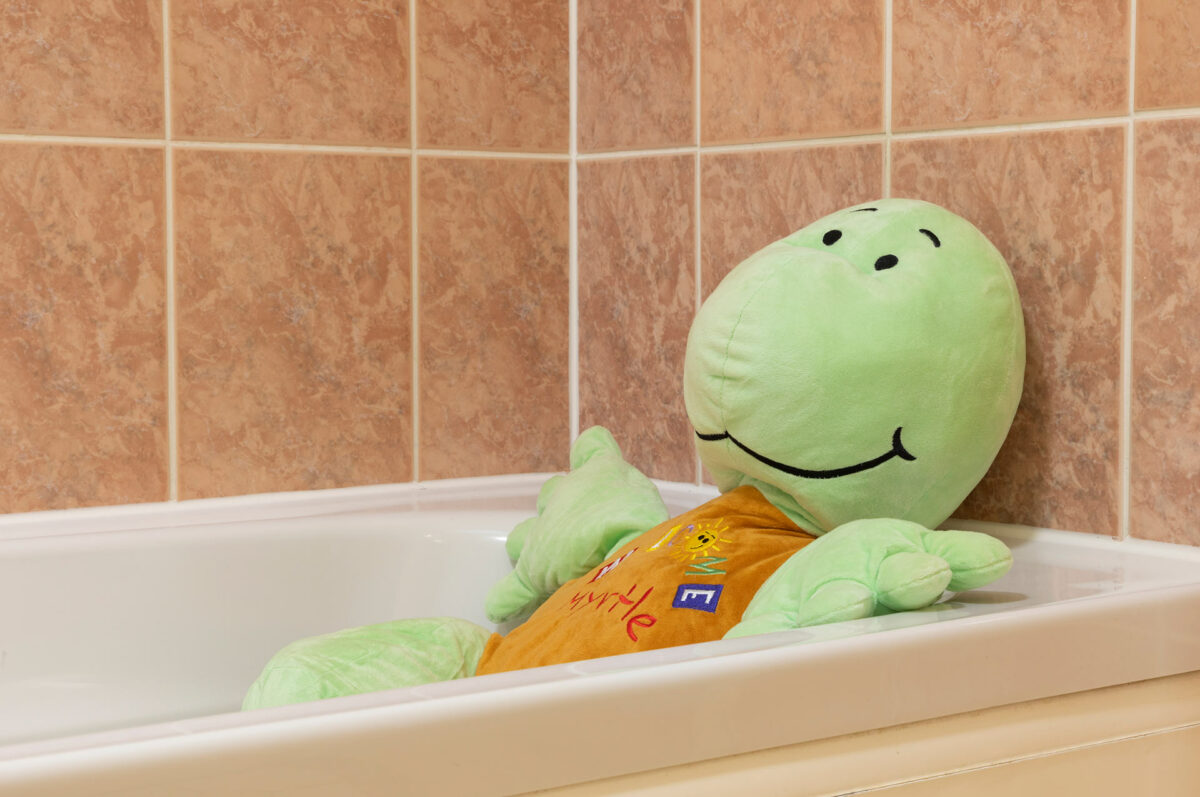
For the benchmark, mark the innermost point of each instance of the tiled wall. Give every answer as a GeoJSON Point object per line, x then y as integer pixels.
{"type": "Point", "coordinates": [264, 245]}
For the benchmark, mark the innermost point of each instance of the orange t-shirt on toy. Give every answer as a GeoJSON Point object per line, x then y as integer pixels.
{"type": "Point", "coordinates": [686, 580]}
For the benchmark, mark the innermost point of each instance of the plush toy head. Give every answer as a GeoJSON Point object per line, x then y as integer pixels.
{"type": "Point", "coordinates": [868, 365]}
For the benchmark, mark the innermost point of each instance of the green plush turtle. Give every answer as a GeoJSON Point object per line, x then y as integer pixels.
{"type": "Point", "coordinates": [848, 386]}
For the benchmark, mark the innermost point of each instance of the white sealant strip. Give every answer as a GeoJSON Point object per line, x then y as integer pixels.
{"type": "Point", "coordinates": [1125, 428]}
{"type": "Point", "coordinates": [573, 409]}
{"type": "Point", "coordinates": [886, 182]}
{"type": "Point", "coordinates": [414, 259]}
{"type": "Point", "coordinates": [172, 314]}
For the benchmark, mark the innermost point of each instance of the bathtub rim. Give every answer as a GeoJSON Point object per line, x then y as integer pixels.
{"type": "Point", "coordinates": [321, 730]}
{"type": "Point", "coordinates": [310, 726]}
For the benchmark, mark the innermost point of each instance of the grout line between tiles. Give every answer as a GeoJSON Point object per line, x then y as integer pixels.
{"type": "Point", "coordinates": [414, 259]}
{"type": "Point", "coordinates": [1166, 113]}
{"type": "Point", "coordinates": [696, 74]}
{"type": "Point", "coordinates": [493, 154]}
{"type": "Point", "coordinates": [1126, 411]}
{"type": "Point", "coordinates": [697, 200]}
{"type": "Point", "coordinates": [170, 275]}
{"type": "Point", "coordinates": [166, 70]}
{"type": "Point", "coordinates": [275, 146]}
{"type": "Point", "coordinates": [1016, 127]}
{"type": "Point", "coordinates": [887, 98]}
{"type": "Point", "coordinates": [634, 153]}
{"type": "Point", "coordinates": [85, 141]}
{"type": "Point", "coordinates": [714, 149]}
{"type": "Point", "coordinates": [1125, 456]}
{"type": "Point", "coordinates": [722, 149]}
{"type": "Point", "coordinates": [573, 223]}
{"type": "Point", "coordinates": [888, 136]}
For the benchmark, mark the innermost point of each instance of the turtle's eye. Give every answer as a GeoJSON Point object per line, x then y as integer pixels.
{"type": "Point", "coordinates": [886, 261]}
{"type": "Point", "coordinates": [831, 237]}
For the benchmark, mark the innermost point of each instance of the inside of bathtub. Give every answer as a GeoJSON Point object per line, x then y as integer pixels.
{"type": "Point", "coordinates": [129, 638]}
{"type": "Point", "coordinates": [106, 631]}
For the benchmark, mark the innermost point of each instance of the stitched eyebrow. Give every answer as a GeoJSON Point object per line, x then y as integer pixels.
{"type": "Point", "coordinates": [864, 210]}
{"type": "Point", "coordinates": [932, 237]}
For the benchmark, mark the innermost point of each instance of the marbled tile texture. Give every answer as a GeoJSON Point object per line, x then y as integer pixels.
{"type": "Point", "coordinates": [777, 69]}
{"type": "Point", "coordinates": [493, 74]}
{"type": "Point", "coordinates": [493, 317]}
{"type": "Point", "coordinates": [326, 71]}
{"type": "Point", "coordinates": [636, 81]}
{"type": "Point", "coordinates": [293, 321]}
{"type": "Point", "coordinates": [1052, 203]}
{"type": "Point", "coordinates": [959, 62]}
{"type": "Point", "coordinates": [749, 199]}
{"type": "Point", "coordinates": [1165, 445]}
{"type": "Point", "coordinates": [81, 67]}
{"type": "Point", "coordinates": [293, 308]}
{"type": "Point", "coordinates": [1168, 53]}
{"type": "Point", "coordinates": [83, 414]}
{"type": "Point", "coordinates": [637, 296]}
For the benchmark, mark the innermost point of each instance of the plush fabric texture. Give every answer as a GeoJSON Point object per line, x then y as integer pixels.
{"type": "Point", "coordinates": [849, 384]}
{"type": "Point", "coordinates": [582, 517]}
{"type": "Point", "coordinates": [869, 567]}
{"type": "Point", "coordinates": [686, 580]}
{"type": "Point", "coordinates": [368, 659]}
{"type": "Point", "coordinates": [887, 330]}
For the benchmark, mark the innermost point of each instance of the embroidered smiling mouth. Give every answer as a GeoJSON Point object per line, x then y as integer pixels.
{"type": "Point", "coordinates": [898, 450]}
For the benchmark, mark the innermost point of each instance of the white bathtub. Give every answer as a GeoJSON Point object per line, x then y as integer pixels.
{"type": "Point", "coordinates": [128, 637]}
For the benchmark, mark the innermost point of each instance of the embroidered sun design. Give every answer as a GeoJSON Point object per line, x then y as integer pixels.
{"type": "Point", "coordinates": [699, 539]}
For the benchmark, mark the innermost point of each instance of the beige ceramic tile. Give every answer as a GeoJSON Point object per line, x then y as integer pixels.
{"type": "Point", "coordinates": [83, 414]}
{"type": "Point", "coordinates": [1168, 53]}
{"type": "Point", "coordinates": [81, 67]}
{"type": "Point", "coordinates": [637, 296]}
{"type": "Point", "coordinates": [750, 199]}
{"type": "Point", "coordinates": [1052, 203]}
{"type": "Point", "coordinates": [1165, 446]}
{"type": "Point", "coordinates": [636, 81]}
{"type": "Point", "coordinates": [493, 329]}
{"type": "Point", "coordinates": [493, 74]}
{"type": "Point", "coordinates": [973, 62]}
{"type": "Point", "coordinates": [294, 321]}
{"type": "Point", "coordinates": [778, 69]}
{"type": "Point", "coordinates": [327, 71]}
